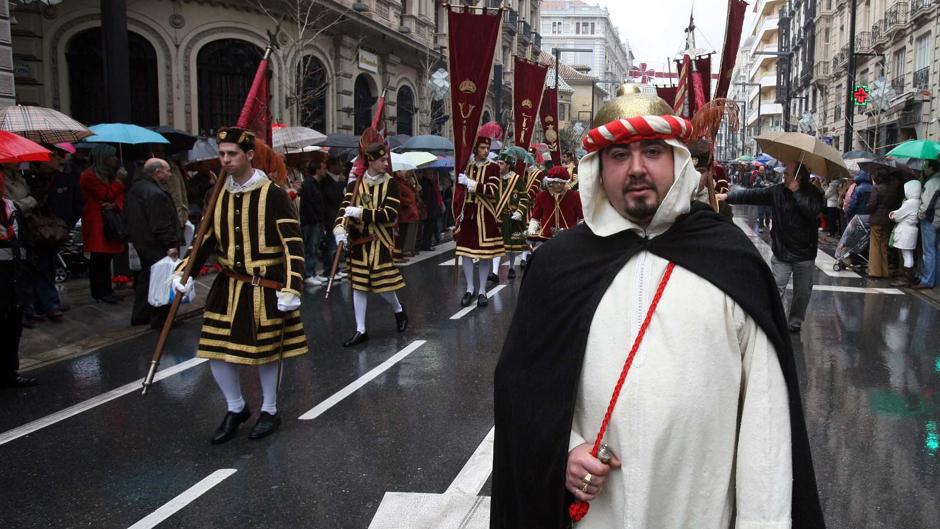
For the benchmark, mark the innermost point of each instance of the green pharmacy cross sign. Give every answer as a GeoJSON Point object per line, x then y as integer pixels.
{"type": "Point", "coordinates": [861, 95]}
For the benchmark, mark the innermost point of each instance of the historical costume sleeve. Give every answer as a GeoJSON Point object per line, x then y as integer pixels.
{"type": "Point", "coordinates": [490, 183]}
{"type": "Point", "coordinates": [763, 470]}
{"type": "Point", "coordinates": [288, 229]}
{"type": "Point", "coordinates": [755, 197]}
{"type": "Point", "coordinates": [386, 215]}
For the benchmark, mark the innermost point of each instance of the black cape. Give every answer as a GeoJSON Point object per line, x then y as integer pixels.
{"type": "Point", "coordinates": [540, 365]}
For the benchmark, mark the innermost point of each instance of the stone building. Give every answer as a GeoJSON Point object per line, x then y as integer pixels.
{"type": "Point", "coordinates": [192, 61]}
{"type": "Point", "coordinates": [759, 73]}
{"type": "Point", "coordinates": [801, 98]}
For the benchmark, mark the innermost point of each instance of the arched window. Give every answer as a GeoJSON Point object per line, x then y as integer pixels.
{"type": "Point", "coordinates": [226, 69]}
{"type": "Point", "coordinates": [313, 84]}
{"type": "Point", "coordinates": [363, 100]}
{"type": "Point", "coordinates": [86, 78]}
{"type": "Point", "coordinates": [486, 117]}
{"type": "Point", "coordinates": [406, 111]}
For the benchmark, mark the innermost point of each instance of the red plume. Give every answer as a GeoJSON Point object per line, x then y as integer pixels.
{"type": "Point", "coordinates": [491, 130]}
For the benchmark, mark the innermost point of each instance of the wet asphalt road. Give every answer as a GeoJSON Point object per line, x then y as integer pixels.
{"type": "Point", "coordinates": [870, 371]}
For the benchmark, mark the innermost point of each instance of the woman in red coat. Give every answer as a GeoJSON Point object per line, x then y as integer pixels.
{"type": "Point", "coordinates": [102, 184]}
{"type": "Point", "coordinates": [408, 213]}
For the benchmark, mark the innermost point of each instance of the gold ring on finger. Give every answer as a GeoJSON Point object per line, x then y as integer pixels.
{"type": "Point", "coordinates": [584, 487]}
{"type": "Point", "coordinates": [587, 478]}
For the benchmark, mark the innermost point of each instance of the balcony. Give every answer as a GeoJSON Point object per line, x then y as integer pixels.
{"type": "Point", "coordinates": [920, 7]}
{"type": "Point", "coordinates": [896, 17]}
{"type": "Point", "coordinates": [863, 42]}
{"type": "Point", "coordinates": [537, 40]}
{"type": "Point", "coordinates": [898, 84]}
{"type": "Point", "coordinates": [511, 22]}
{"type": "Point", "coordinates": [878, 34]}
{"type": "Point", "coordinates": [806, 76]}
{"type": "Point", "coordinates": [840, 60]}
{"type": "Point", "coordinates": [525, 32]}
{"type": "Point", "coordinates": [922, 78]}
{"type": "Point", "coordinates": [494, 4]}
{"type": "Point", "coordinates": [822, 70]}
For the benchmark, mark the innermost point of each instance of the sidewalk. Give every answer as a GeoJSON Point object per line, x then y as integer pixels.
{"type": "Point", "coordinates": [89, 325]}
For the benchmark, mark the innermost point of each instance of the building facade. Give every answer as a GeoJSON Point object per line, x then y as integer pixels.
{"type": "Point", "coordinates": [758, 74]}
{"type": "Point", "coordinates": [800, 97]}
{"type": "Point", "coordinates": [193, 61]}
{"type": "Point", "coordinates": [576, 24]}
{"type": "Point", "coordinates": [896, 58]}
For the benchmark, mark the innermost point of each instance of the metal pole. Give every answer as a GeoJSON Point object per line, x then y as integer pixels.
{"type": "Point", "coordinates": [557, 53]}
{"type": "Point", "coordinates": [117, 85]}
{"type": "Point", "coordinates": [850, 80]}
{"type": "Point", "coordinates": [593, 86]}
{"type": "Point", "coordinates": [744, 127]}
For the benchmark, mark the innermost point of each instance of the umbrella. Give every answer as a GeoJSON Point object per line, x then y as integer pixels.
{"type": "Point", "coordinates": [856, 155]}
{"type": "Point", "coordinates": [418, 158]}
{"type": "Point", "coordinates": [124, 134]}
{"type": "Point", "coordinates": [345, 141]}
{"type": "Point", "coordinates": [921, 149]}
{"type": "Point", "coordinates": [822, 159]}
{"type": "Point", "coordinates": [397, 140]}
{"type": "Point", "coordinates": [204, 149]}
{"type": "Point", "coordinates": [298, 137]}
{"type": "Point", "coordinates": [541, 147]}
{"type": "Point", "coordinates": [17, 149]}
{"type": "Point", "coordinates": [765, 158]}
{"type": "Point", "coordinates": [399, 162]}
{"type": "Point", "coordinates": [746, 158]}
{"type": "Point", "coordinates": [429, 143]}
{"type": "Point", "coordinates": [67, 147]}
{"type": "Point", "coordinates": [41, 124]}
{"type": "Point", "coordinates": [179, 141]}
{"type": "Point", "coordinates": [885, 166]}
{"type": "Point", "coordinates": [444, 162]}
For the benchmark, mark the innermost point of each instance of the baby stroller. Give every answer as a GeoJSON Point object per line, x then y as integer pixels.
{"type": "Point", "coordinates": [853, 245]}
{"type": "Point", "coordinates": [71, 261]}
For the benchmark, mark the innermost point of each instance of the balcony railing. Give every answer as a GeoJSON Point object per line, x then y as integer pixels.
{"type": "Point", "coordinates": [537, 40]}
{"type": "Point", "coordinates": [919, 7]}
{"type": "Point", "coordinates": [806, 76]}
{"type": "Point", "coordinates": [841, 59]}
{"type": "Point", "coordinates": [922, 78]}
{"type": "Point", "coordinates": [494, 4]}
{"type": "Point", "coordinates": [525, 31]}
{"type": "Point", "coordinates": [898, 84]}
{"type": "Point", "coordinates": [863, 41]}
{"type": "Point", "coordinates": [822, 70]}
{"type": "Point", "coordinates": [896, 16]}
{"type": "Point", "coordinates": [876, 31]}
{"type": "Point", "coordinates": [511, 22]}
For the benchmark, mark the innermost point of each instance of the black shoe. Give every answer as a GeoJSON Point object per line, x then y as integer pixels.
{"type": "Point", "coordinates": [19, 381]}
{"type": "Point", "coordinates": [229, 425]}
{"type": "Point", "coordinates": [265, 425]}
{"type": "Point", "coordinates": [511, 274]}
{"type": "Point", "coordinates": [401, 320]}
{"type": "Point", "coordinates": [522, 263]}
{"type": "Point", "coordinates": [466, 299]}
{"type": "Point", "coordinates": [356, 339]}
{"type": "Point", "coordinates": [482, 301]}
{"type": "Point", "coordinates": [492, 278]}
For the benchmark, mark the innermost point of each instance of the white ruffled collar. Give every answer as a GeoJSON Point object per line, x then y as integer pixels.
{"type": "Point", "coordinates": [258, 179]}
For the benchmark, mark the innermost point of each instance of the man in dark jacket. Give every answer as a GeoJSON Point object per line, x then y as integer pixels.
{"type": "Point", "coordinates": [858, 203]}
{"type": "Point", "coordinates": [154, 229]}
{"type": "Point", "coordinates": [312, 220]}
{"type": "Point", "coordinates": [887, 196]}
{"type": "Point", "coordinates": [795, 207]}
{"type": "Point", "coordinates": [333, 189]}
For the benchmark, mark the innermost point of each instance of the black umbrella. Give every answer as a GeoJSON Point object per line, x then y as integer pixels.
{"type": "Point", "coordinates": [856, 155]}
{"type": "Point", "coordinates": [345, 141]}
{"type": "Point", "coordinates": [179, 141]}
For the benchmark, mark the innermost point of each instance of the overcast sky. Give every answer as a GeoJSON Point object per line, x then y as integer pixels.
{"type": "Point", "coordinates": [654, 28]}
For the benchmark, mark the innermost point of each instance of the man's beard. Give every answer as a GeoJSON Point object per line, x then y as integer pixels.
{"type": "Point", "coordinates": [641, 208]}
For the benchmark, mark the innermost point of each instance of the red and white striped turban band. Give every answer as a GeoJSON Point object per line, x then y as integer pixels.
{"type": "Point", "coordinates": [639, 128]}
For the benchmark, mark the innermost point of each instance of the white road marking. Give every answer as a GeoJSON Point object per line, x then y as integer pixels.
{"type": "Point", "coordinates": [855, 290]}
{"type": "Point", "coordinates": [467, 310]}
{"type": "Point", "coordinates": [337, 397]}
{"type": "Point", "coordinates": [474, 474]}
{"type": "Point", "coordinates": [824, 261]}
{"type": "Point", "coordinates": [71, 411]}
{"type": "Point", "coordinates": [188, 496]}
{"type": "Point", "coordinates": [441, 248]}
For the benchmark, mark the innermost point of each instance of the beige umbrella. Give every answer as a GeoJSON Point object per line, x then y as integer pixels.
{"type": "Point", "coordinates": [821, 159]}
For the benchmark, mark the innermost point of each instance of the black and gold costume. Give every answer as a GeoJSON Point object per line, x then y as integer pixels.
{"type": "Point", "coordinates": [254, 232]}
{"type": "Point", "coordinates": [371, 241]}
{"type": "Point", "coordinates": [478, 235]}
{"type": "Point", "coordinates": [516, 197]}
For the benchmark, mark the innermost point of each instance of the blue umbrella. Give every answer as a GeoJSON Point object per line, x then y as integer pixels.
{"type": "Point", "coordinates": [441, 163]}
{"type": "Point", "coordinates": [764, 158]}
{"type": "Point", "coordinates": [430, 143]}
{"type": "Point", "coordinates": [124, 133]}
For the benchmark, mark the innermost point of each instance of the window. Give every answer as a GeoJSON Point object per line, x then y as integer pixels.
{"type": "Point", "coordinates": [592, 28]}
{"type": "Point", "coordinates": [363, 101]}
{"type": "Point", "coordinates": [922, 52]}
{"type": "Point", "coordinates": [311, 77]}
{"type": "Point", "coordinates": [826, 39]}
{"type": "Point", "coordinates": [225, 69]}
{"type": "Point", "coordinates": [405, 106]}
{"type": "Point", "coordinates": [900, 60]}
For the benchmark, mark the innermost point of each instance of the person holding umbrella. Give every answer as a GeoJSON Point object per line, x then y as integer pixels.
{"type": "Point", "coordinates": [102, 185]}
{"type": "Point", "coordinates": [929, 226]}
{"type": "Point", "coordinates": [795, 206]}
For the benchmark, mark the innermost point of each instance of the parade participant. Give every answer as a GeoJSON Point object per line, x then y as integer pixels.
{"type": "Point", "coordinates": [569, 163]}
{"type": "Point", "coordinates": [13, 269]}
{"type": "Point", "coordinates": [557, 208]}
{"type": "Point", "coordinates": [365, 226]}
{"type": "Point", "coordinates": [708, 430]}
{"type": "Point", "coordinates": [476, 210]}
{"type": "Point", "coordinates": [534, 181]}
{"type": "Point", "coordinates": [516, 197]}
{"type": "Point", "coordinates": [252, 314]}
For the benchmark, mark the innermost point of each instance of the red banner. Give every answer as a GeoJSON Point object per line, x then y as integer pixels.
{"type": "Point", "coordinates": [729, 53]}
{"type": "Point", "coordinates": [528, 85]}
{"type": "Point", "coordinates": [256, 112]}
{"type": "Point", "coordinates": [549, 114]}
{"type": "Point", "coordinates": [703, 68]}
{"type": "Point", "coordinates": [472, 34]}
{"type": "Point", "coordinates": [668, 93]}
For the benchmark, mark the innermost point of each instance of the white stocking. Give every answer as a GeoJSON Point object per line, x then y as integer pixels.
{"type": "Point", "coordinates": [482, 272]}
{"type": "Point", "coordinates": [511, 258]}
{"type": "Point", "coordinates": [908, 256]}
{"type": "Point", "coordinates": [496, 264]}
{"type": "Point", "coordinates": [468, 273]}
{"type": "Point", "coordinates": [392, 299]}
{"type": "Point", "coordinates": [360, 302]}
{"type": "Point", "coordinates": [268, 374]}
{"type": "Point", "coordinates": [226, 376]}
{"type": "Point", "coordinates": [525, 255]}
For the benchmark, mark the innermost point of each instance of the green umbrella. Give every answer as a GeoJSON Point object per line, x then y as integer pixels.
{"type": "Point", "coordinates": [920, 149]}
{"type": "Point", "coordinates": [746, 158]}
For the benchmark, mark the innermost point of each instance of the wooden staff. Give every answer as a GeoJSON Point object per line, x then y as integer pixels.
{"type": "Point", "coordinates": [341, 245]}
{"type": "Point", "coordinates": [187, 276]}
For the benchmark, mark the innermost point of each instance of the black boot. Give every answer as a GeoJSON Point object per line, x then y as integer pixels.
{"type": "Point", "coordinates": [229, 425]}
{"type": "Point", "coordinates": [492, 278]}
{"type": "Point", "coordinates": [482, 301]}
{"type": "Point", "coordinates": [356, 339]}
{"type": "Point", "coordinates": [401, 320]}
{"type": "Point", "coordinates": [511, 274]}
{"type": "Point", "coordinates": [265, 425]}
{"type": "Point", "coordinates": [466, 299]}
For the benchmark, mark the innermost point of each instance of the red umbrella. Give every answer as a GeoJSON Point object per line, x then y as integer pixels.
{"type": "Point", "coordinates": [16, 149]}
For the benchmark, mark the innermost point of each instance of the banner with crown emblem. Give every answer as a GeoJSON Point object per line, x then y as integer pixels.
{"type": "Point", "coordinates": [549, 113]}
{"type": "Point", "coordinates": [528, 84]}
{"type": "Point", "coordinates": [472, 34]}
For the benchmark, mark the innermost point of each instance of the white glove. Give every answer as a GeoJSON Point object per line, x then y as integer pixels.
{"type": "Point", "coordinates": [462, 179]}
{"type": "Point", "coordinates": [287, 301]}
{"type": "Point", "coordinates": [180, 287]}
{"type": "Point", "coordinates": [340, 237]}
{"type": "Point", "coordinates": [353, 212]}
{"type": "Point", "coordinates": [533, 227]}
{"type": "Point", "coordinates": [517, 216]}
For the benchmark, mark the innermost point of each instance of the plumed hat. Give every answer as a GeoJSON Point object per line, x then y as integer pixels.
{"type": "Point", "coordinates": [488, 132]}
{"type": "Point", "coordinates": [374, 151]}
{"type": "Point", "coordinates": [244, 138]}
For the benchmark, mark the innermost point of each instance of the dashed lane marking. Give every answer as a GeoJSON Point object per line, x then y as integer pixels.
{"type": "Point", "coordinates": [188, 496]}
{"type": "Point", "coordinates": [467, 310]}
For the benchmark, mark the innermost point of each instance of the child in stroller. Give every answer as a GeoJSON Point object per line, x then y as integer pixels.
{"type": "Point", "coordinates": [852, 250]}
